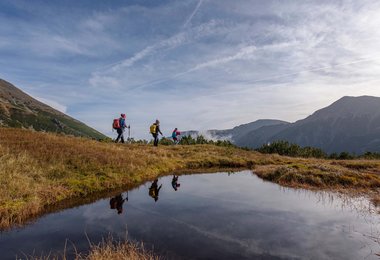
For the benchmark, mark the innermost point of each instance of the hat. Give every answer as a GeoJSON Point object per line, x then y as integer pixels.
{"type": "Point", "coordinates": [123, 115]}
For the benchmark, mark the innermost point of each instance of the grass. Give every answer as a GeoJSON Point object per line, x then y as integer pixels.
{"type": "Point", "coordinates": [41, 170]}
{"type": "Point", "coordinates": [119, 250]}
{"type": "Point", "coordinates": [107, 249]}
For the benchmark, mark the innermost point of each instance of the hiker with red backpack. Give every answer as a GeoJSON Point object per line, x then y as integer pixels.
{"type": "Point", "coordinates": [119, 125]}
{"type": "Point", "coordinates": [154, 130]}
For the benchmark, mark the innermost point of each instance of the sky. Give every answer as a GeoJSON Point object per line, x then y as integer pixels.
{"type": "Point", "coordinates": [193, 64]}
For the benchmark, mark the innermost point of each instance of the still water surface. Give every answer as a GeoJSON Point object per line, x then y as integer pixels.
{"type": "Point", "coordinates": [211, 216]}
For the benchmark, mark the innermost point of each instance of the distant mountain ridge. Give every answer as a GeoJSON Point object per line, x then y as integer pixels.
{"type": "Point", "coordinates": [17, 109]}
{"type": "Point", "coordinates": [351, 124]}
{"type": "Point", "coordinates": [237, 132]}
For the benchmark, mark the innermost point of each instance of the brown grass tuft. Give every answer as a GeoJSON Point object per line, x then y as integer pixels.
{"type": "Point", "coordinates": [118, 251]}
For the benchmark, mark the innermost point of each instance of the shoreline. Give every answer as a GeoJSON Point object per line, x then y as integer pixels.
{"type": "Point", "coordinates": [43, 173]}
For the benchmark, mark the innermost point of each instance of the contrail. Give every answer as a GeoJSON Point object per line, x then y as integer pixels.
{"type": "Point", "coordinates": [178, 75]}
{"type": "Point", "coordinates": [152, 48]}
{"type": "Point", "coordinates": [192, 14]}
{"type": "Point", "coordinates": [315, 69]}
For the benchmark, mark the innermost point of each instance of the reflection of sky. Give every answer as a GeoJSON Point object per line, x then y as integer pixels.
{"type": "Point", "coordinates": [217, 216]}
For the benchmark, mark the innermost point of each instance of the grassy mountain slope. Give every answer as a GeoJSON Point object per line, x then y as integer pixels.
{"type": "Point", "coordinates": [351, 124]}
{"type": "Point", "coordinates": [20, 110]}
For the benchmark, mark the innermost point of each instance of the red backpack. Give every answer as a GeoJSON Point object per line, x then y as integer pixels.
{"type": "Point", "coordinates": [116, 124]}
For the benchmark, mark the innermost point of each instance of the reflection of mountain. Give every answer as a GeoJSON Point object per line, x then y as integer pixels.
{"type": "Point", "coordinates": [18, 109]}
{"type": "Point", "coordinates": [350, 124]}
{"type": "Point", "coordinates": [237, 132]}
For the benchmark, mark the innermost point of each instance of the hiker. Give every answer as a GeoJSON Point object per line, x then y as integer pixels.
{"type": "Point", "coordinates": [175, 183]}
{"type": "Point", "coordinates": [154, 130]}
{"type": "Point", "coordinates": [117, 203]}
{"type": "Point", "coordinates": [175, 133]}
{"type": "Point", "coordinates": [120, 125]}
{"type": "Point", "coordinates": [154, 190]}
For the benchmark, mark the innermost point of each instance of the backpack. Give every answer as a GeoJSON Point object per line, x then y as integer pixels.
{"type": "Point", "coordinates": [152, 192]}
{"type": "Point", "coordinates": [153, 129]}
{"type": "Point", "coordinates": [116, 124]}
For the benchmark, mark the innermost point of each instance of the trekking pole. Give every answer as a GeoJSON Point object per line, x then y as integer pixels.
{"type": "Point", "coordinates": [129, 133]}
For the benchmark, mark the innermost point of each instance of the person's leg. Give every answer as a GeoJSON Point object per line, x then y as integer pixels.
{"type": "Point", "coordinates": [155, 139]}
{"type": "Point", "coordinates": [119, 134]}
{"type": "Point", "coordinates": [122, 136]}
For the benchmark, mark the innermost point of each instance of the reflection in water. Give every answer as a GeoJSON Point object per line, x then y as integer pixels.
{"type": "Point", "coordinates": [175, 183]}
{"type": "Point", "coordinates": [117, 203]}
{"type": "Point", "coordinates": [154, 190]}
{"type": "Point", "coordinates": [222, 216]}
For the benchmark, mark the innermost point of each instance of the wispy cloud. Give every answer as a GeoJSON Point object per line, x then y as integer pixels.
{"type": "Point", "coordinates": [200, 64]}
{"type": "Point", "coordinates": [104, 75]}
{"type": "Point", "coordinates": [243, 53]}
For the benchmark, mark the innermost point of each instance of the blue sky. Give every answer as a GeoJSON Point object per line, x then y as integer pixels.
{"type": "Point", "coordinates": [194, 64]}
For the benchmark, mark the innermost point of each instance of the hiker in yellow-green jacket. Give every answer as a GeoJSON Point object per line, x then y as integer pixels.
{"type": "Point", "coordinates": [154, 190]}
{"type": "Point", "coordinates": [155, 130]}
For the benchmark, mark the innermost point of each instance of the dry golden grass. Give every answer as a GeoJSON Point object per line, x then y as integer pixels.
{"type": "Point", "coordinates": [119, 251]}
{"type": "Point", "coordinates": [38, 170]}
{"type": "Point", "coordinates": [108, 249]}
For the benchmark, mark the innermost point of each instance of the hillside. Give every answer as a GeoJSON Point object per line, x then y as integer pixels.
{"type": "Point", "coordinates": [17, 109]}
{"type": "Point", "coordinates": [351, 124]}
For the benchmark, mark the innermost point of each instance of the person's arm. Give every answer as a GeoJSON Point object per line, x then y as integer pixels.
{"type": "Point", "coordinates": [159, 130]}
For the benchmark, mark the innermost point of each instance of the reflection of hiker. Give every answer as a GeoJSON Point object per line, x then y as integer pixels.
{"type": "Point", "coordinates": [175, 134]}
{"type": "Point", "coordinates": [154, 130]}
{"type": "Point", "coordinates": [117, 203]}
{"type": "Point", "coordinates": [154, 190]}
{"type": "Point", "coordinates": [175, 183]}
{"type": "Point", "coordinates": [119, 125]}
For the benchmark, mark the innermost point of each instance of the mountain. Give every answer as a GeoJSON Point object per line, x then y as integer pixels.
{"type": "Point", "coordinates": [237, 132]}
{"type": "Point", "coordinates": [351, 124]}
{"type": "Point", "coordinates": [260, 136]}
{"type": "Point", "coordinates": [17, 109]}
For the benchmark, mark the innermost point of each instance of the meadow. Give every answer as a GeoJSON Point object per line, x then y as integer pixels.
{"type": "Point", "coordinates": [40, 170]}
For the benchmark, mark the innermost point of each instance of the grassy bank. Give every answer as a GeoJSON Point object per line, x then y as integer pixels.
{"type": "Point", "coordinates": [108, 249]}
{"type": "Point", "coordinates": [119, 250]}
{"type": "Point", "coordinates": [38, 170]}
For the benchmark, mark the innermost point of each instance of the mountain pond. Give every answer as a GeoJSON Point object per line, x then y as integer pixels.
{"type": "Point", "coordinates": [210, 216]}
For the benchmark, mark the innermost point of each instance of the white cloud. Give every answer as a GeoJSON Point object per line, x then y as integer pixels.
{"type": "Point", "coordinates": [118, 70]}
{"type": "Point", "coordinates": [243, 53]}
{"type": "Point", "coordinates": [200, 64]}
